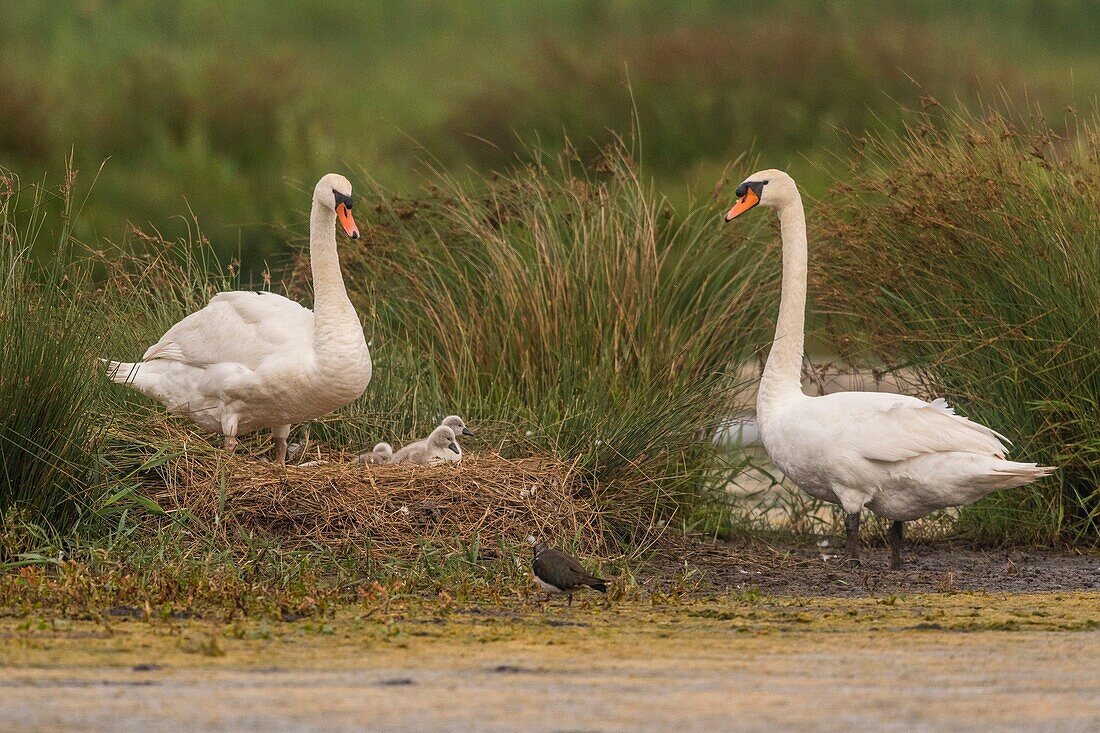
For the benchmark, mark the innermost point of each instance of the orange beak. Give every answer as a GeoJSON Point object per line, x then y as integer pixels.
{"type": "Point", "coordinates": [343, 213]}
{"type": "Point", "coordinates": [746, 202]}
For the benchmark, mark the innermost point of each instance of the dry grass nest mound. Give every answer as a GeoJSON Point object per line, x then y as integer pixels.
{"type": "Point", "coordinates": [388, 510]}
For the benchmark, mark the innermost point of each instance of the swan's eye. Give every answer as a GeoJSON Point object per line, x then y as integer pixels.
{"type": "Point", "coordinates": [341, 198]}
{"type": "Point", "coordinates": [756, 187]}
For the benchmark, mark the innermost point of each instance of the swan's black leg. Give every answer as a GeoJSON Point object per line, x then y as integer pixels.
{"type": "Point", "coordinates": [897, 540]}
{"type": "Point", "coordinates": [305, 443]}
{"type": "Point", "coordinates": [229, 430]}
{"type": "Point", "coordinates": [851, 526]}
{"type": "Point", "coordinates": [281, 433]}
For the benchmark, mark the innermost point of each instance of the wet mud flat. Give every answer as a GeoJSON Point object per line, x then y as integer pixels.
{"type": "Point", "coordinates": [805, 568]}
{"type": "Point", "coordinates": [952, 661]}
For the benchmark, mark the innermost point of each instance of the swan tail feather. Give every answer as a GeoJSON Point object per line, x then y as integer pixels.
{"type": "Point", "coordinates": [121, 372]}
{"type": "Point", "coordinates": [136, 376]}
{"type": "Point", "coordinates": [1013, 474]}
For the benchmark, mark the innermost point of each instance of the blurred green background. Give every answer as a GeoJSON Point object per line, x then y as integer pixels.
{"type": "Point", "coordinates": [231, 110]}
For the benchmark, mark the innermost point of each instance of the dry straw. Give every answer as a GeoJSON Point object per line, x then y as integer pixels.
{"type": "Point", "coordinates": [392, 511]}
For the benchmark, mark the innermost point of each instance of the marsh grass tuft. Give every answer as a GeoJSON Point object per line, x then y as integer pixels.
{"type": "Point", "coordinates": [50, 430]}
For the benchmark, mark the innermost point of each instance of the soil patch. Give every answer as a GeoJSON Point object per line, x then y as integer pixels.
{"type": "Point", "coordinates": [796, 568]}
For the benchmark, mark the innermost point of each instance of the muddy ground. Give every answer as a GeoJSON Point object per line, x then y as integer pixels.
{"type": "Point", "coordinates": [804, 568]}
{"type": "Point", "coordinates": [752, 637]}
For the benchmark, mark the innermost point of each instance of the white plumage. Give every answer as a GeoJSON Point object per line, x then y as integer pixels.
{"type": "Point", "coordinates": [898, 456]}
{"type": "Point", "coordinates": [249, 361]}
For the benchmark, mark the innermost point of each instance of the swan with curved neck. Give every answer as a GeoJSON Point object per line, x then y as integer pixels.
{"type": "Point", "coordinates": [897, 456]}
{"type": "Point", "coordinates": [249, 361]}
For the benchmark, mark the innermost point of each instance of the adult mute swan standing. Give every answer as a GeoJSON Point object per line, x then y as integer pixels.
{"type": "Point", "coordinates": [898, 456]}
{"type": "Point", "coordinates": [249, 361]}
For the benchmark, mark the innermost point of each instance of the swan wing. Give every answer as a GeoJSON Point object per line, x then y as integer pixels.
{"type": "Point", "coordinates": [893, 428]}
{"type": "Point", "coordinates": [237, 327]}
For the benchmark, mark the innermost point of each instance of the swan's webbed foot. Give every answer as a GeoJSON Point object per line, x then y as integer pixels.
{"type": "Point", "coordinates": [851, 528]}
{"type": "Point", "coordinates": [896, 536]}
{"type": "Point", "coordinates": [231, 443]}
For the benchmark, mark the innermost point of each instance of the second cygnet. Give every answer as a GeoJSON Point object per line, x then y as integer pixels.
{"type": "Point", "coordinates": [379, 454]}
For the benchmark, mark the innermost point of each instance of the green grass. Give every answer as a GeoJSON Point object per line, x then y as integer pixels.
{"type": "Point", "coordinates": [968, 249]}
{"type": "Point", "coordinates": [169, 568]}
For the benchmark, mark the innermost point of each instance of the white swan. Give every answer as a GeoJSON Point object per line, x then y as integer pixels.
{"type": "Point", "coordinates": [898, 456]}
{"type": "Point", "coordinates": [249, 361]}
{"type": "Point", "coordinates": [436, 449]}
{"type": "Point", "coordinates": [379, 454]}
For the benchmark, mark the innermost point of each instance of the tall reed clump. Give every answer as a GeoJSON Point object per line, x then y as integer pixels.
{"type": "Point", "coordinates": [971, 249]}
{"type": "Point", "coordinates": [571, 306]}
{"type": "Point", "coordinates": [50, 432]}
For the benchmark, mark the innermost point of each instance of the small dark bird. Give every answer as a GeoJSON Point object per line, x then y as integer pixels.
{"type": "Point", "coordinates": [557, 572]}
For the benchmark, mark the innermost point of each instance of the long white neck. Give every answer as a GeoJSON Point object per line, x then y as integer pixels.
{"type": "Point", "coordinates": [782, 375]}
{"type": "Point", "coordinates": [336, 324]}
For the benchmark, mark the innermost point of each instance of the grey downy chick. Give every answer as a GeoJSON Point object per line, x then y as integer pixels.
{"type": "Point", "coordinates": [456, 423]}
{"type": "Point", "coordinates": [430, 452]}
{"type": "Point", "coordinates": [379, 454]}
{"type": "Point", "coordinates": [558, 573]}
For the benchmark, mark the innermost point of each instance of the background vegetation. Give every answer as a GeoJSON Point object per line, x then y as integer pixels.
{"type": "Point", "coordinates": [558, 167]}
{"type": "Point", "coordinates": [231, 109]}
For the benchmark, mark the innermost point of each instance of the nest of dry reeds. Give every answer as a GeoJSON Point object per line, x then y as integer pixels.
{"type": "Point", "coordinates": [391, 511]}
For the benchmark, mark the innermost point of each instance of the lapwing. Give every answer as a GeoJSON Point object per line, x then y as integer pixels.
{"type": "Point", "coordinates": [558, 573]}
